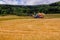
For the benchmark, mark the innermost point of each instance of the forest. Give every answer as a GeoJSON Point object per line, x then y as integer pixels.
{"type": "Point", "coordinates": [21, 10]}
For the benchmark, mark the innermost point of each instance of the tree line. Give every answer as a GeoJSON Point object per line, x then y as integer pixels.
{"type": "Point", "coordinates": [22, 10]}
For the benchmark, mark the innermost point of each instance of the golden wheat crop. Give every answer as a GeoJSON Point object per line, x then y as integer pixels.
{"type": "Point", "coordinates": [30, 29]}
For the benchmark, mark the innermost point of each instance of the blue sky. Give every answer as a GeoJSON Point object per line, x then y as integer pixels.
{"type": "Point", "coordinates": [27, 2]}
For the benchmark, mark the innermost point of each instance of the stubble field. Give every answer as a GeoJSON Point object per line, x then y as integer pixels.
{"type": "Point", "coordinates": [30, 29]}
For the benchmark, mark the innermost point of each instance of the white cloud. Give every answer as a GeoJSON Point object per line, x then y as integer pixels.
{"type": "Point", "coordinates": [51, 1]}
{"type": "Point", "coordinates": [33, 2]}
{"type": "Point", "coordinates": [37, 2]}
{"type": "Point", "coordinates": [1, 2]}
{"type": "Point", "coordinates": [26, 2]}
{"type": "Point", "coordinates": [10, 2]}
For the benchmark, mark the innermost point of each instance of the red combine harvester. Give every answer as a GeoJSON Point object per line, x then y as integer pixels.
{"type": "Point", "coordinates": [39, 15]}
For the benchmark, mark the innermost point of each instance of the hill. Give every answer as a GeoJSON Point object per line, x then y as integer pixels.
{"type": "Point", "coordinates": [55, 4]}
{"type": "Point", "coordinates": [22, 10]}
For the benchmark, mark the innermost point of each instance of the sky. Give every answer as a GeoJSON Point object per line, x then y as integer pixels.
{"type": "Point", "coordinates": [27, 2]}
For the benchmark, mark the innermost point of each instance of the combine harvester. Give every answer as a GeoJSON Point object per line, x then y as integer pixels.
{"type": "Point", "coordinates": [39, 15]}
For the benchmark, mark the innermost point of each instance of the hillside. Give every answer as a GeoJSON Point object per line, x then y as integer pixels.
{"type": "Point", "coordinates": [28, 10]}
{"type": "Point", "coordinates": [55, 4]}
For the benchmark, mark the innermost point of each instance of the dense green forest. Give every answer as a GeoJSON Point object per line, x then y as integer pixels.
{"type": "Point", "coordinates": [22, 10]}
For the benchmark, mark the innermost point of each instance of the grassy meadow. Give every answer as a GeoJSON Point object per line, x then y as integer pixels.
{"type": "Point", "coordinates": [28, 28]}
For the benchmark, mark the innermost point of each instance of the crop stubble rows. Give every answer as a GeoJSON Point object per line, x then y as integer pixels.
{"type": "Point", "coordinates": [30, 29]}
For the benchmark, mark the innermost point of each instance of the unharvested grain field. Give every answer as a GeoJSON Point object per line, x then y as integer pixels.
{"type": "Point", "coordinates": [30, 29]}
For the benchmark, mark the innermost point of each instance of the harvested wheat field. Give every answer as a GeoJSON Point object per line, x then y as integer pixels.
{"type": "Point", "coordinates": [30, 29]}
